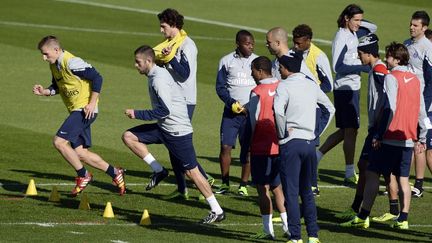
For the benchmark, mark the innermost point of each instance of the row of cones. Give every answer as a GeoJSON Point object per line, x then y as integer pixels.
{"type": "Point", "coordinates": [84, 203]}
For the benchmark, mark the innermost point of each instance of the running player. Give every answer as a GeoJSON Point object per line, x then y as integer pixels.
{"type": "Point", "coordinates": [79, 85]}
{"type": "Point", "coordinates": [173, 127]}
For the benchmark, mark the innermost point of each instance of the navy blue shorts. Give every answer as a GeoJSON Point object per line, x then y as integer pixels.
{"type": "Point", "coordinates": [347, 108]}
{"type": "Point", "coordinates": [265, 170]}
{"type": "Point", "coordinates": [367, 147]}
{"type": "Point", "coordinates": [181, 148]}
{"type": "Point", "coordinates": [76, 129]}
{"type": "Point", "coordinates": [391, 159]}
{"type": "Point", "coordinates": [429, 134]}
{"type": "Point", "coordinates": [233, 126]}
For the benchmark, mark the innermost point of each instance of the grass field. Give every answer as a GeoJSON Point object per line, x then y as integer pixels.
{"type": "Point", "coordinates": [105, 33]}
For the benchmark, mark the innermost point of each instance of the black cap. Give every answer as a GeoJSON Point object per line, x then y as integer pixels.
{"type": "Point", "coordinates": [369, 44]}
{"type": "Point", "coordinates": [291, 61]}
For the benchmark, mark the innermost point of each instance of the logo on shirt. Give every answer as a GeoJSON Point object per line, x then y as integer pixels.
{"type": "Point", "coordinates": [271, 93]}
{"type": "Point", "coordinates": [407, 80]}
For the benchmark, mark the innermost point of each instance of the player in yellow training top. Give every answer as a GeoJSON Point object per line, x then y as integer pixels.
{"type": "Point", "coordinates": [79, 85]}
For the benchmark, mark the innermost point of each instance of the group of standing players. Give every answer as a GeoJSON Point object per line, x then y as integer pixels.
{"type": "Point", "coordinates": [277, 109]}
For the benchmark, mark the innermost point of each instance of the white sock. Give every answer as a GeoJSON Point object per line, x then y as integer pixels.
{"type": "Point", "coordinates": [349, 171]}
{"type": "Point", "coordinates": [319, 155]}
{"type": "Point", "coordinates": [214, 205]}
{"type": "Point", "coordinates": [268, 224]}
{"type": "Point", "coordinates": [150, 160]}
{"type": "Point", "coordinates": [284, 219]}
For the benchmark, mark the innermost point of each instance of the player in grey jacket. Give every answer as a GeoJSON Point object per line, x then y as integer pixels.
{"type": "Point", "coordinates": [173, 128]}
{"type": "Point", "coordinates": [295, 110]}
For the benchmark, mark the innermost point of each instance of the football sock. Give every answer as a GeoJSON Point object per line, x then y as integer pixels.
{"type": "Point", "coordinates": [319, 155]}
{"type": "Point", "coordinates": [394, 206]}
{"type": "Point", "coordinates": [284, 219]}
{"type": "Point", "coordinates": [349, 171]}
{"type": "Point", "coordinates": [82, 172]}
{"type": "Point", "coordinates": [150, 160]}
{"type": "Point", "coordinates": [214, 205]}
{"type": "Point", "coordinates": [111, 171]}
{"type": "Point", "coordinates": [242, 183]}
{"type": "Point", "coordinates": [363, 214]}
{"type": "Point", "coordinates": [418, 183]}
{"type": "Point", "coordinates": [402, 217]}
{"type": "Point", "coordinates": [267, 223]}
{"type": "Point", "coordinates": [356, 203]}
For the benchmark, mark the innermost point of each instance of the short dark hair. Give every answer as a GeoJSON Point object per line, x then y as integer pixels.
{"type": "Point", "coordinates": [47, 40]}
{"type": "Point", "coordinates": [145, 50]}
{"type": "Point", "coordinates": [263, 63]}
{"type": "Point", "coordinates": [349, 12]}
{"type": "Point", "coordinates": [292, 61]}
{"type": "Point", "coordinates": [242, 33]}
{"type": "Point", "coordinates": [171, 17]}
{"type": "Point", "coordinates": [302, 30]}
{"type": "Point", "coordinates": [423, 16]}
{"type": "Point", "coordinates": [398, 51]}
{"type": "Point", "coordinates": [428, 33]}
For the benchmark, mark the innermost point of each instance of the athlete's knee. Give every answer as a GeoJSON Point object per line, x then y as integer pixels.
{"type": "Point", "coordinates": [59, 142]}
{"type": "Point", "coordinates": [226, 149]}
{"type": "Point", "coordinates": [82, 153]}
{"type": "Point", "coordinates": [129, 137]}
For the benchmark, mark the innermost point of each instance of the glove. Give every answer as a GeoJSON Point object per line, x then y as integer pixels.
{"type": "Point", "coordinates": [237, 108]}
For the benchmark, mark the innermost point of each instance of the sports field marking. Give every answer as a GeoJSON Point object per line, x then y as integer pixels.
{"type": "Point", "coordinates": [199, 20]}
{"type": "Point", "coordinates": [104, 31]}
{"type": "Point", "coordinates": [166, 184]}
{"type": "Point", "coordinates": [57, 224]}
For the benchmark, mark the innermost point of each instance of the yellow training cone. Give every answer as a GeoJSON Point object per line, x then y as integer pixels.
{"type": "Point", "coordinates": [84, 203]}
{"type": "Point", "coordinates": [145, 219]}
{"type": "Point", "coordinates": [31, 189]}
{"type": "Point", "coordinates": [54, 196]}
{"type": "Point", "coordinates": [108, 213]}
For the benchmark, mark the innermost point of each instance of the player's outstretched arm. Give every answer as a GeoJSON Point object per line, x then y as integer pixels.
{"type": "Point", "coordinates": [40, 90]}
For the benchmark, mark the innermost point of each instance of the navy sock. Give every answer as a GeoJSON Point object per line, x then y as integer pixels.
{"type": "Point", "coordinates": [394, 206]}
{"type": "Point", "coordinates": [402, 217]}
{"type": "Point", "coordinates": [242, 183]}
{"type": "Point", "coordinates": [82, 172]}
{"type": "Point", "coordinates": [418, 183]}
{"type": "Point", "coordinates": [363, 213]}
{"type": "Point", "coordinates": [356, 203]}
{"type": "Point", "coordinates": [111, 171]}
{"type": "Point", "coordinates": [225, 180]}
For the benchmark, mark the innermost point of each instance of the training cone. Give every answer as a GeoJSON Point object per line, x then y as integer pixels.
{"type": "Point", "coordinates": [145, 219]}
{"type": "Point", "coordinates": [108, 213]}
{"type": "Point", "coordinates": [84, 203]}
{"type": "Point", "coordinates": [54, 196]}
{"type": "Point", "coordinates": [31, 189]}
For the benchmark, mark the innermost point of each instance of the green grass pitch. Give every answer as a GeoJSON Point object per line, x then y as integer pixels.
{"type": "Point", "coordinates": [105, 33]}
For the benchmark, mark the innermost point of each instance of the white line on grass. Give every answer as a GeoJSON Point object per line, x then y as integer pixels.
{"type": "Point", "coordinates": [170, 185]}
{"type": "Point", "coordinates": [199, 20]}
{"type": "Point", "coordinates": [57, 224]}
{"type": "Point", "coordinates": [104, 31]}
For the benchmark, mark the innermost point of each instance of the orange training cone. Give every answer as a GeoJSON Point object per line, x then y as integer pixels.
{"type": "Point", "coordinates": [108, 213]}
{"type": "Point", "coordinates": [145, 219]}
{"type": "Point", "coordinates": [31, 189]}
